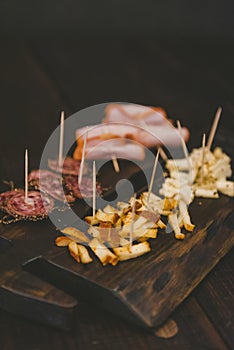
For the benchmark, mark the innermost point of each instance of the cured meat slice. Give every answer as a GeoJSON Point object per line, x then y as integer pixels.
{"type": "Point", "coordinates": [42, 174]}
{"type": "Point", "coordinates": [70, 166]}
{"type": "Point", "coordinates": [165, 135]}
{"type": "Point", "coordinates": [38, 205]}
{"type": "Point", "coordinates": [105, 149]}
{"type": "Point", "coordinates": [50, 183]}
{"type": "Point", "coordinates": [133, 113]}
{"type": "Point", "coordinates": [4, 196]}
{"type": "Point", "coordinates": [153, 135]}
{"type": "Point", "coordinates": [110, 131]}
{"type": "Point", "coordinates": [144, 135]}
{"type": "Point", "coordinates": [82, 191]}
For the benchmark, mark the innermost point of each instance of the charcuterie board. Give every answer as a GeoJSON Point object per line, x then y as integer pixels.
{"type": "Point", "coordinates": [42, 282]}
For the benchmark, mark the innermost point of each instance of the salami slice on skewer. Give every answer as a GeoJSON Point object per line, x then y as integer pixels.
{"type": "Point", "coordinates": [50, 183]}
{"type": "Point", "coordinates": [37, 207]}
{"type": "Point", "coordinates": [5, 196]}
{"type": "Point", "coordinates": [82, 191]}
{"type": "Point", "coordinates": [69, 167]}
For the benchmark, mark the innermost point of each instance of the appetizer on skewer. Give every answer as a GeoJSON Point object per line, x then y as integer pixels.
{"type": "Point", "coordinates": [28, 205]}
{"type": "Point", "coordinates": [202, 173]}
{"type": "Point", "coordinates": [50, 183]}
{"type": "Point", "coordinates": [124, 132]}
{"type": "Point", "coordinates": [122, 233]}
{"type": "Point", "coordinates": [69, 166]}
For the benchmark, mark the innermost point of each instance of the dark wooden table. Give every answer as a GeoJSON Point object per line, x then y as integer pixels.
{"type": "Point", "coordinates": [38, 79]}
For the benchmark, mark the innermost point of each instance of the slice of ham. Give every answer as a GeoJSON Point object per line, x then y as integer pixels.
{"type": "Point", "coordinates": [105, 149]}
{"type": "Point", "coordinates": [38, 205]}
{"type": "Point", "coordinates": [50, 183]}
{"type": "Point", "coordinates": [69, 167]}
{"type": "Point", "coordinates": [143, 135]}
{"type": "Point", "coordinates": [106, 131]}
{"type": "Point", "coordinates": [133, 113]}
{"type": "Point", "coordinates": [165, 135]}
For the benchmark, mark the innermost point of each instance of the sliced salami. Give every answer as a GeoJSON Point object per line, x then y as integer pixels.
{"type": "Point", "coordinates": [5, 196]}
{"type": "Point", "coordinates": [70, 166]}
{"type": "Point", "coordinates": [50, 183]}
{"type": "Point", "coordinates": [82, 191]}
{"type": "Point", "coordinates": [42, 174]}
{"type": "Point", "coordinates": [38, 205]}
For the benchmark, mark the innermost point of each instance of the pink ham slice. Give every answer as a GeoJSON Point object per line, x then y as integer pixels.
{"type": "Point", "coordinates": [132, 113]}
{"type": "Point", "coordinates": [165, 135]}
{"type": "Point", "coordinates": [120, 137]}
{"type": "Point", "coordinates": [107, 131]}
{"type": "Point", "coordinates": [120, 148]}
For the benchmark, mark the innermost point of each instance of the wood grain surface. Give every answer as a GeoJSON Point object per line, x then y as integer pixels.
{"type": "Point", "coordinates": [148, 289]}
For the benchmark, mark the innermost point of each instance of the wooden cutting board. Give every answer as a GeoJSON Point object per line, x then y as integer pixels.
{"type": "Point", "coordinates": [42, 282]}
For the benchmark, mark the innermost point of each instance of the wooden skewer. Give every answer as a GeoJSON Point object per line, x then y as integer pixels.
{"type": "Point", "coordinates": [82, 160]}
{"type": "Point", "coordinates": [186, 153]}
{"type": "Point", "coordinates": [132, 222]}
{"type": "Point", "coordinates": [153, 176]}
{"type": "Point", "coordinates": [203, 156]}
{"type": "Point", "coordinates": [161, 151]}
{"type": "Point", "coordinates": [60, 157]}
{"type": "Point", "coordinates": [114, 159]}
{"type": "Point", "coordinates": [94, 188]}
{"type": "Point", "coordinates": [214, 128]}
{"type": "Point", "coordinates": [26, 177]}
{"type": "Point", "coordinates": [115, 163]}
{"type": "Point", "coordinates": [163, 154]}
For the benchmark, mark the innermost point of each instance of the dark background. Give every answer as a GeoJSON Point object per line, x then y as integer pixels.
{"type": "Point", "coordinates": [67, 55]}
{"type": "Point", "coordinates": [160, 19]}
{"type": "Point", "coordinates": [72, 54]}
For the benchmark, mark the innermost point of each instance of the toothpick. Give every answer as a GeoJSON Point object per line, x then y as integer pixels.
{"type": "Point", "coordinates": [214, 127]}
{"type": "Point", "coordinates": [114, 159]}
{"type": "Point", "coordinates": [94, 188]}
{"type": "Point", "coordinates": [161, 151]}
{"type": "Point", "coordinates": [82, 160]}
{"type": "Point", "coordinates": [186, 153]}
{"type": "Point", "coordinates": [203, 156]}
{"type": "Point", "coordinates": [153, 176]}
{"type": "Point", "coordinates": [132, 222]}
{"type": "Point", "coordinates": [163, 154]}
{"type": "Point", "coordinates": [26, 176]}
{"type": "Point", "coordinates": [60, 157]}
{"type": "Point", "coordinates": [115, 164]}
